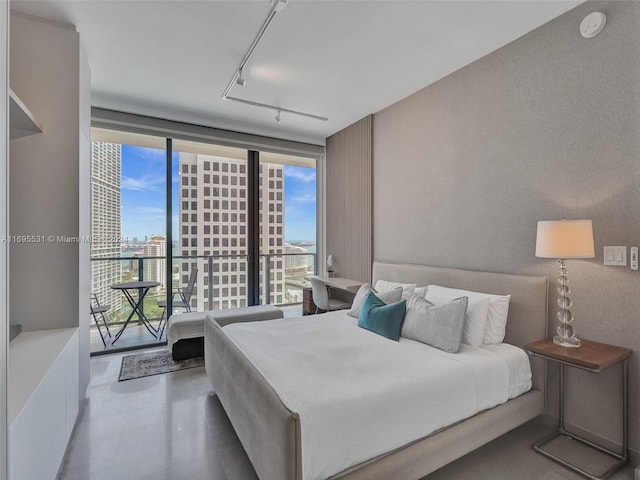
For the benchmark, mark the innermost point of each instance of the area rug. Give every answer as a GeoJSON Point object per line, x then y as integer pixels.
{"type": "Point", "coordinates": [147, 364]}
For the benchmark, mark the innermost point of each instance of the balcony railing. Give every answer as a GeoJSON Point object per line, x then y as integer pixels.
{"type": "Point", "coordinates": [221, 281]}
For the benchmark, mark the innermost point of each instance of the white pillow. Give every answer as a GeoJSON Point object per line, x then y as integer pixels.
{"type": "Point", "coordinates": [391, 296]}
{"type": "Point", "coordinates": [496, 326]}
{"type": "Point", "coordinates": [421, 291]}
{"type": "Point", "coordinates": [497, 313]}
{"type": "Point", "coordinates": [407, 288]}
{"type": "Point", "coordinates": [477, 310]}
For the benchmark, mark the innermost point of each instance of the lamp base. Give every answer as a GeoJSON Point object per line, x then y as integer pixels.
{"type": "Point", "coordinates": [573, 342]}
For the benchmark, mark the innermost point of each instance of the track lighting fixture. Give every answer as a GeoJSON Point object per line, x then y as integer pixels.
{"type": "Point", "coordinates": [277, 6]}
{"type": "Point", "coordinates": [240, 81]}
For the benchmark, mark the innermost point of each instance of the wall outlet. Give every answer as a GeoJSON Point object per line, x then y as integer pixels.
{"type": "Point", "coordinates": [633, 258]}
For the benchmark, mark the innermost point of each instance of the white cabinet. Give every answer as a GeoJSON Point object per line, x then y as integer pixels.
{"type": "Point", "coordinates": [72, 377]}
{"type": "Point", "coordinates": [43, 401]}
{"type": "Point", "coordinates": [27, 443]}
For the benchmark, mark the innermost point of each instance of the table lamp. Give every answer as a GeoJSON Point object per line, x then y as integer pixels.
{"type": "Point", "coordinates": [564, 239]}
{"type": "Point", "coordinates": [330, 265]}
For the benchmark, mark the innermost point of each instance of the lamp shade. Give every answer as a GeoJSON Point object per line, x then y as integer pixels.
{"type": "Point", "coordinates": [565, 239]}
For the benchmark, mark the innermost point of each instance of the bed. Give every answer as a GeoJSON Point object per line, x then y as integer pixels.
{"type": "Point", "coordinates": [288, 438]}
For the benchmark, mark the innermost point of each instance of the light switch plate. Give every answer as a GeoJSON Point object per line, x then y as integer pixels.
{"type": "Point", "coordinates": [615, 256]}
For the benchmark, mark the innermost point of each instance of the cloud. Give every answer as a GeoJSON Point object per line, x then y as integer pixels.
{"type": "Point", "coordinates": [146, 183]}
{"type": "Point", "coordinates": [154, 155]}
{"type": "Point", "coordinates": [298, 211]}
{"type": "Point", "coordinates": [292, 211]}
{"type": "Point", "coordinates": [302, 174]}
{"type": "Point", "coordinates": [303, 198]}
{"type": "Point", "coordinates": [150, 210]}
{"type": "Point", "coordinates": [151, 219]}
{"type": "Point", "coordinates": [148, 153]}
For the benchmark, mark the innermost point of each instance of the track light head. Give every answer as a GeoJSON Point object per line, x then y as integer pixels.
{"type": "Point", "coordinates": [278, 118]}
{"type": "Point", "coordinates": [279, 5]}
{"type": "Point", "coordinates": [240, 81]}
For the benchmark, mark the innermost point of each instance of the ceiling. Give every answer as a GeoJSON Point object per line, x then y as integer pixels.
{"type": "Point", "coordinates": [338, 59]}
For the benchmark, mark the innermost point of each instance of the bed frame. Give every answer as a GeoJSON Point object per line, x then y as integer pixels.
{"type": "Point", "coordinates": [270, 432]}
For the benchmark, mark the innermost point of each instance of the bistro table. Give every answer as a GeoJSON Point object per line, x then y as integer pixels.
{"type": "Point", "coordinates": [142, 288]}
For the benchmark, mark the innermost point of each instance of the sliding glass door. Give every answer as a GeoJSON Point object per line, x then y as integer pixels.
{"type": "Point", "coordinates": [243, 220]}
{"type": "Point", "coordinates": [211, 224]}
{"type": "Point", "coordinates": [128, 238]}
{"type": "Point", "coordinates": [287, 189]}
{"type": "Point", "coordinates": [246, 222]}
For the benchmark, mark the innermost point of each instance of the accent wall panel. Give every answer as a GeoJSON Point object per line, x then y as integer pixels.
{"type": "Point", "coordinates": [349, 201]}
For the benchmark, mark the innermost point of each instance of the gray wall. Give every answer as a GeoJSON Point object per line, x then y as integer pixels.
{"type": "Point", "coordinates": [4, 249]}
{"type": "Point", "coordinates": [544, 128]}
{"type": "Point", "coordinates": [349, 202]}
{"type": "Point", "coordinates": [44, 175]}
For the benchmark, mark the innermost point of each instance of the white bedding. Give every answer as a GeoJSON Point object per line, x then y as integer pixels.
{"type": "Point", "coordinates": [517, 363]}
{"type": "Point", "coordinates": [360, 395]}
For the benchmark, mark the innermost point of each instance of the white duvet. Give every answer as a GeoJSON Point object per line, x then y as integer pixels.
{"type": "Point", "coordinates": [360, 395]}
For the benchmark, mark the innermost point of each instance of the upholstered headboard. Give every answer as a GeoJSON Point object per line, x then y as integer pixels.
{"type": "Point", "coordinates": [527, 319]}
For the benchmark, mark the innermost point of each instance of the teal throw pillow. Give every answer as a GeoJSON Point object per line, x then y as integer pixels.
{"type": "Point", "coordinates": [383, 319]}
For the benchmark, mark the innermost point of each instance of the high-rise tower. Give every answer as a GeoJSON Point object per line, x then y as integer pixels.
{"type": "Point", "coordinates": [105, 221]}
{"type": "Point", "coordinates": [213, 223]}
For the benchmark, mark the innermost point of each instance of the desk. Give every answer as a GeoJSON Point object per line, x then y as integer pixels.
{"type": "Point", "coordinates": [339, 283]}
{"type": "Point", "coordinates": [593, 357]}
{"type": "Point", "coordinates": [143, 288]}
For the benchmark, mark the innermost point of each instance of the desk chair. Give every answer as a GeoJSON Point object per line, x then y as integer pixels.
{"type": "Point", "coordinates": [321, 297]}
{"type": "Point", "coordinates": [185, 294]}
{"type": "Point", "coordinates": [97, 309]}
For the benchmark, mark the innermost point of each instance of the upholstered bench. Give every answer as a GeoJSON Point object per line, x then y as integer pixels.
{"type": "Point", "coordinates": [185, 331]}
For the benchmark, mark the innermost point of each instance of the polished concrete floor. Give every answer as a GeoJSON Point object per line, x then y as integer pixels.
{"type": "Point", "coordinates": [134, 337]}
{"type": "Point", "coordinates": [173, 427]}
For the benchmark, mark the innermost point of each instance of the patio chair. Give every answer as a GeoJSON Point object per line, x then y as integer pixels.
{"type": "Point", "coordinates": [184, 300]}
{"type": "Point", "coordinates": [99, 310]}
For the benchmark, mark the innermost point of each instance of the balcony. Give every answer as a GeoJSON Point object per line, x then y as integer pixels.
{"type": "Point", "coordinates": [221, 283]}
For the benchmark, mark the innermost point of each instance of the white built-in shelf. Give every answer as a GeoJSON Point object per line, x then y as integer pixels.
{"type": "Point", "coordinates": [22, 122]}
{"type": "Point", "coordinates": [31, 355]}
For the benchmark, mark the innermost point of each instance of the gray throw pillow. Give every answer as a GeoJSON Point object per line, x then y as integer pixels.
{"type": "Point", "coordinates": [392, 296]}
{"type": "Point", "coordinates": [440, 326]}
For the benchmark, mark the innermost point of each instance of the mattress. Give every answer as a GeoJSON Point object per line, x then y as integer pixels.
{"type": "Point", "coordinates": [518, 365]}
{"type": "Point", "coordinates": [360, 395]}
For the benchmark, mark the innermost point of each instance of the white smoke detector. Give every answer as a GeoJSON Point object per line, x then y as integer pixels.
{"type": "Point", "coordinates": [593, 24]}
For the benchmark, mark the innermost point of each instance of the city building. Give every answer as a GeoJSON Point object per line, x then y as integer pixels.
{"type": "Point", "coordinates": [155, 270]}
{"type": "Point", "coordinates": [213, 229]}
{"type": "Point", "coordinates": [296, 263]}
{"type": "Point", "coordinates": [105, 221]}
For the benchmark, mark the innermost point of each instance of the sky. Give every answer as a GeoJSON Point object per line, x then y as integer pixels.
{"type": "Point", "coordinates": [143, 196]}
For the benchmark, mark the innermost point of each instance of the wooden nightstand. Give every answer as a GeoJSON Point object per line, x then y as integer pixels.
{"type": "Point", "coordinates": [593, 357]}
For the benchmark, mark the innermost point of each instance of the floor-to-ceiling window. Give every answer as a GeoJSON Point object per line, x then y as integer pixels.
{"type": "Point", "coordinates": [212, 215]}
{"type": "Point", "coordinates": [287, 226]}
{"type": "Point", "coordinates": [211, 223]}
{"type": "Point", "coordinates": [244, 220]}
{"type": "Point", "coordinates": [128, 238]}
